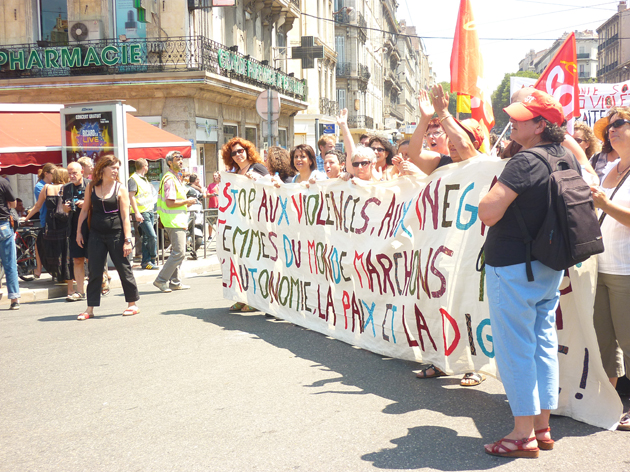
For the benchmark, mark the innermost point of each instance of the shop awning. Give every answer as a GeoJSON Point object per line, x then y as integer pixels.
{"type": "Point", "coordinates": [28, 140]}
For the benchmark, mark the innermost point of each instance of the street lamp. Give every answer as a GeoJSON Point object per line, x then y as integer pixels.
{"type": "Point", "coordinates": [348, 10]}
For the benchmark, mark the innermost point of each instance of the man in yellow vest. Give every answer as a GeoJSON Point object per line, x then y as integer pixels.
{"type": "Point", "coordinates": [143, 198]}
{"type": "Point", "coordinates": [172, 208]}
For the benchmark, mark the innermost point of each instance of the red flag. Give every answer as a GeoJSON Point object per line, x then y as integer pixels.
{"type": "Point", "coordinates": [560, 79]}
{"type": "Point", "coordinates": [467, 66]}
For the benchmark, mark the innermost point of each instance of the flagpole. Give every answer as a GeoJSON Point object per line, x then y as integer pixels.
{"type": "Point", "coordinates": [500, 137]}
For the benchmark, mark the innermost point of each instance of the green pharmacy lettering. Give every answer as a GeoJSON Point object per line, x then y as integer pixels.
{"type": "Point", "coordinates": [64, 57]}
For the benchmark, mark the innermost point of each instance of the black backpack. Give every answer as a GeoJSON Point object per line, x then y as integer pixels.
{"type": "Point", "coordinates": [570, 232]}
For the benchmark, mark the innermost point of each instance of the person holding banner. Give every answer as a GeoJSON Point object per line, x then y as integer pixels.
{"type": "Point", "coordinates": [522, 313]}
{"type": "Point", "coordinates": [612, 297]}
{"type": "Point", "coordinates": [303, 160]}
{"type": "Point", "coordinates": [240, 156]}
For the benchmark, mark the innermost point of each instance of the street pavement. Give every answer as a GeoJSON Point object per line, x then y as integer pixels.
{"type": "Point", "coordinates": [187, 386]}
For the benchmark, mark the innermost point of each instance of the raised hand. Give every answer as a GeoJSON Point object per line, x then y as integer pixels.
{"type": "Point", "coordinates": [424, 104]}
{"type": "Point", "coordinates": [439, 98]}
{"type": "Point", "coordinates": [342, 118]}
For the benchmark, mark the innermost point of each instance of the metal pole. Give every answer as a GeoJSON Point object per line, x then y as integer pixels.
{"type": "Point", "coordinates": [269, 122]}
{"type": "Point", "coordinates": [500, 137]}
{"type": "Point", "coordinates": [317, 135]}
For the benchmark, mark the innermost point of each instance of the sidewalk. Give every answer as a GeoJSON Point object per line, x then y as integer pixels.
{"type": "Point", "coordinates": [44, 288]}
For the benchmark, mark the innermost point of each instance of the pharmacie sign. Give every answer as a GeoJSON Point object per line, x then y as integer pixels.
{"type": "Point", "coordinates": [78, 56]}
{"type": "Point", "coordinates": [233, 62]}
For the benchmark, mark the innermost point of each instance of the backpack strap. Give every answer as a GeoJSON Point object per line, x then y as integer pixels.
{"type": "Point", "coordinates": [601, 218]}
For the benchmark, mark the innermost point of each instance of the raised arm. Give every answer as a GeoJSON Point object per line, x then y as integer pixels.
{"type": "Point", "coordinates": [456, 134]}
{"type": "Point", "coordinates": [426, 161]}
{"type": "Point", "coordinates": [348, 142]}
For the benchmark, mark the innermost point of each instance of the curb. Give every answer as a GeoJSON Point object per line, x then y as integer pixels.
{"type": "Point", "coordinates": [30, 293]}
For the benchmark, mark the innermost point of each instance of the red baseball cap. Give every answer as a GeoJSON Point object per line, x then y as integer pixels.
{"type": "Point", "coordinates": [538, 103]}
{"type": "Point", "coordinates": [473, 129]}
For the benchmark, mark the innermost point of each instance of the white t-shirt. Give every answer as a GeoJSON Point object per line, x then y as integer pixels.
{"type": "Point", "coordinates": [615, 259]}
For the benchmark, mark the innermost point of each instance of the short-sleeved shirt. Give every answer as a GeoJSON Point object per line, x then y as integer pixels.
{"type": "Point", "coordinates": [36, 191]}
{"type": "Point", "coordinates": [526, 175]}
{"type": "Point", "coordinates": [6, 195]}
{"type": "Point", "coordinates": [72, 193]}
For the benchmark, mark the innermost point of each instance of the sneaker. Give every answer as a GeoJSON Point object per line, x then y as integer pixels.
{"type": "Point", "coordinates": [15, 305]}
{"type": "Point", "coordinates": [163, 286]}
{"type": "Point", "coordinates": [150, 266]}
{"type": "Point", "coordinates": [180, 287]}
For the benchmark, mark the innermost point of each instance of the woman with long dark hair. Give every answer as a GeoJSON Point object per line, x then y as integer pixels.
{"type": "Point", "coordinates": [110, 233]}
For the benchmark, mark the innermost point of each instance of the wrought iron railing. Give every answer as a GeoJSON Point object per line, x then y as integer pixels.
{"type": "Point", "coordinates": [112, 56]}
{"type": "Point", "coordinates": [342, 17]}
{"type": "Point", "coordinates": [360, 121]}
{"type": "Point", "coordinates": [364, 72]}
{"type": "Point", "coordinates": [343, 69]}
{"type": "Point", "coordinates": [369, 122]}
{"type": "Point", "coordinates": [296, 3]}
{"type": "Point", "coordinates": [362, 31]}
{"type": "Point", "coordinates": [328, 107]}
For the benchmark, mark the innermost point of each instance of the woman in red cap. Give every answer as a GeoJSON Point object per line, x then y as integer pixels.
{"type": "Point", "coordinates": [522, 313]}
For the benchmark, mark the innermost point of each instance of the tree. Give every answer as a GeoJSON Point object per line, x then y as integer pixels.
{"type": "Point", "coordinates": [452, 101]}
{"type": "Point", "coordinates": [501, 98]}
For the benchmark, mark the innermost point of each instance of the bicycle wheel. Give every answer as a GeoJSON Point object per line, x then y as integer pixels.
{"type": "Point", "coordinates": [25, 252]}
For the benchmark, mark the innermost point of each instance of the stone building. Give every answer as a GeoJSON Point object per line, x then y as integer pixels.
{"type": "Point", "coordinates": [614, 47]}
{"type": "Point", "coordinates": [190, 68]}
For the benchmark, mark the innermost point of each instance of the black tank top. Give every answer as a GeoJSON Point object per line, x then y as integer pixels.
{"type": "Point", "coordinates": [106, 216]}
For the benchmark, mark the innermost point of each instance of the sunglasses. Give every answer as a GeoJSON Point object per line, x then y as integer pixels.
{"type": "Point", "coordinates": [378, 149]}
{"type": "Point", "coordinates": [617, 124]}
{"type": "Point", "coordinates": [362, 163]}
{"type": "Point", "coordinates": [579, 140]}
{"type": "Point", "coordinates": [238, 151]}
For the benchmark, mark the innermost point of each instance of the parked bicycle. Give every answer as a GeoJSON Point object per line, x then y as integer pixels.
{"type": "Point", "coordinates": [25, 242]}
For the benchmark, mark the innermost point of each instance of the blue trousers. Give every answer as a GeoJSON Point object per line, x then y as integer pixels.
{"type": "Point", "coordinates": [149, 238]}
{"type": "Point", "coordinates": [523, 316]}
{"type": "Point", "coordinates": [9, 260]}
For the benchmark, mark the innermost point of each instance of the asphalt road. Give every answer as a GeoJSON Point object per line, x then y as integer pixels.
{"type": "Point", "coordinates": [187, 386]}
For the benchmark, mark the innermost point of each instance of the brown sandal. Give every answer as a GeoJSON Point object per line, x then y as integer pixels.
{"type": "Point", "coordinates": [499, 449]}
{"type": "Point", "coordinates": [544, 444]}
{"type": "Point", "coordinates": [436, 373]}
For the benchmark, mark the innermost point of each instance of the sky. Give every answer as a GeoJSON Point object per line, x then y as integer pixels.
{"type": "Point", "coordinates": [507, 29]}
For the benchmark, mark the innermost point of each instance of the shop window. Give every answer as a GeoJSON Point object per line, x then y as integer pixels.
{"type": "Point", "coordinates": [282, 137]}
{"type": "Point", "coordinates": [229, 132]}
{"type": "Point", "coordinates": [250, 135]}
{"type": "Point", "coordinates": [54, 20]}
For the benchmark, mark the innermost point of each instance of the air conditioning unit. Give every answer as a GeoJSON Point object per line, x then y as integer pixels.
{"type": "Point", "coordinates": [87, 30]}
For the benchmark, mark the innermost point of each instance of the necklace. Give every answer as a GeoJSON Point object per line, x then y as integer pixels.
{"type": "Point", "coordinates": [619, 172]}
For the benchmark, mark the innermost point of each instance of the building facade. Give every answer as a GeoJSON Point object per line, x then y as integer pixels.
{"type": "Point", "coordinates": [192, 69]}
{"type": "Point", "coordinates": [614, 47]}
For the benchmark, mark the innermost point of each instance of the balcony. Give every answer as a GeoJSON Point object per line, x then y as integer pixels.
{"type": "Point", "coordinates": [392, 111]}
{"type": "Point", "coordinates": [607, 42]}
{"type": "Point", "coordinates": [328, 107]}
{"type": "Point", "coordinates": [364, 72]}
{"type": "Point", "coordinates": [137, 56]}
{"type": "Point", "coordinates": [362, 30]}
{"type": "Point", "coordinates": [343, 69]}
{"type": "Point", "coordinates": [608, 68]}
{"type": "Point", "coordinates": [360, 121]}
{"type": "Point", "coordinates": [584, 55]}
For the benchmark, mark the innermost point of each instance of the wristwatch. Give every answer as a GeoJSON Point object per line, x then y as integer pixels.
{"type": "Point", "coordinates": [128, 240]}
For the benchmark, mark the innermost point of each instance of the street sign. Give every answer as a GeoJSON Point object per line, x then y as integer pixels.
{"type": "Point", "coordinates": [262, 105]}
{"type": "Point", "coordinates": [274, 129]}
{"type": "Point", "coordinates": [327, 128]}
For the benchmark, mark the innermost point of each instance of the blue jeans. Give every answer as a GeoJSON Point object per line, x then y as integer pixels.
{"type": "Point", "coordinates": [9, 261]}
{"type": "Point", "coordinates": [149, 238]}
{"type": "Point", "coordinates": [523, 317]}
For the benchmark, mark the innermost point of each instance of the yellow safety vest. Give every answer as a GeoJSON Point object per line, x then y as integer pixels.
{"type": "Point", "coordinates": [174, 217]}
{"type": "Point", "coordinates": [144, 196]}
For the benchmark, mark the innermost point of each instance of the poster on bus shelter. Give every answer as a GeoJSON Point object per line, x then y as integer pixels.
{"type": "Point", "coordinates": [89, 134]}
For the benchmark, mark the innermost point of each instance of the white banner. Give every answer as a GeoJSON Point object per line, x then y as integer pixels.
{"type": "Point", "coordinates": [595, 99]}
{"type": "Point", "coordinates": [390, 267]}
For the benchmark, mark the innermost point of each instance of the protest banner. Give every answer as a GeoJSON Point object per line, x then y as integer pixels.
{"type": "Point", "coordinates": [595, 99]}
{"type": "Point", "coordinates": [391, 267]}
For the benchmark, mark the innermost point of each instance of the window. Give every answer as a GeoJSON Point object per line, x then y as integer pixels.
{"type": "Point", "coordinates": [54, 20]}
{"type": "Point", "coordinates": [250, 135]}
{"type": "Point", "coordinates": [229, 132]}
{"type": "Point", "coordinates": [282, 138]}
{"type": "Point", "coordinates": [341, 98]}
{"type": "Point", "coordinates": [340, 43]}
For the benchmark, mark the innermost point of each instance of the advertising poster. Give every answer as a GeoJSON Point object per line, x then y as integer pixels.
{"type": "Point", "coordinates": [89, 134]}
{"type": "Point", "coordinates": [130, 30]}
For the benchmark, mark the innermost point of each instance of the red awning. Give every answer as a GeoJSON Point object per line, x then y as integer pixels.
{"type": "Point", "coordinates": [28, 140]}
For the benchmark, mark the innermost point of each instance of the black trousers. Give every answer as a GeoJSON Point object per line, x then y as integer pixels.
{"type": "Point", "coordinates": [98, 248]}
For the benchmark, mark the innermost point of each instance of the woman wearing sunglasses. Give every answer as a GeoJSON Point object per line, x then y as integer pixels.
{"type": "Point", "coordinates": [304, 162]}
{"type": "Point", "coordinates": [110, 233]}
{"type": "Point", "coordinates": [363, 162]}
{"type": "Point", "coordinates": [612, 297]}
{"type": "Point", "coordinates": [602, 160]}
{"type": "Point", "coordinates": [240, 156]}
{"type": "Point", "coordinates": [584, 136]}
